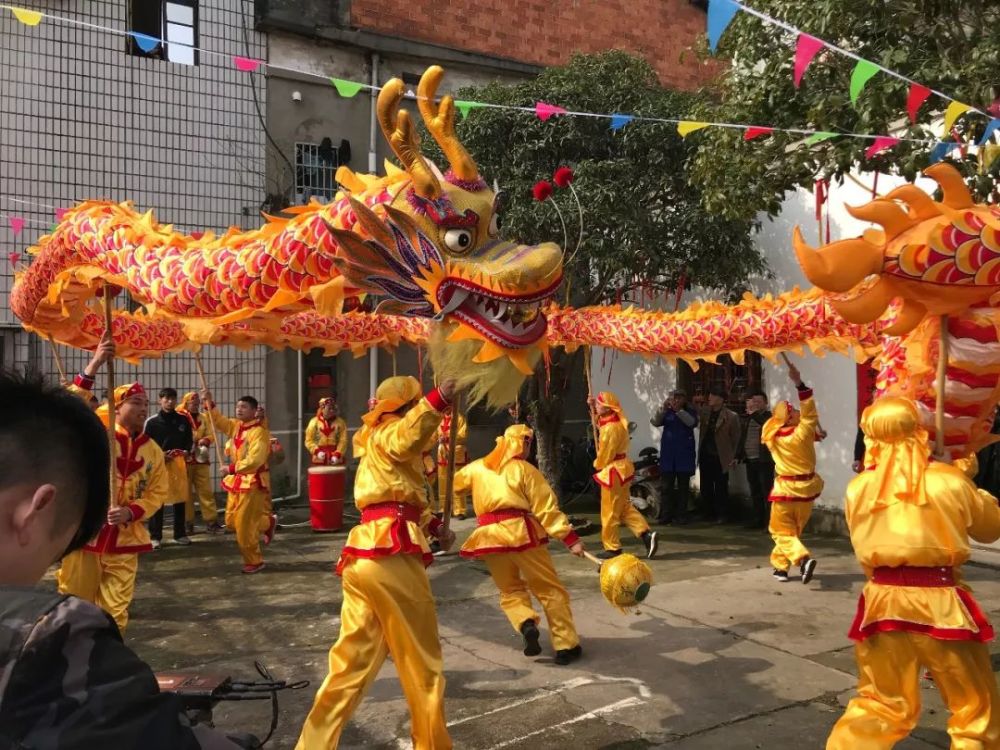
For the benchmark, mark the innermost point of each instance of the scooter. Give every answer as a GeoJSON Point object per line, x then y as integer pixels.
{"type": "Point", "coordinates": [644, 493]}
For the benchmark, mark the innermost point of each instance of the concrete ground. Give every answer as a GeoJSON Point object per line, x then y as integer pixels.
{"type": "Point", "coordinates": [721, 656]}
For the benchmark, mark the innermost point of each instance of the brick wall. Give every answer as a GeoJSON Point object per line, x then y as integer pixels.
{"type": "Point", "coordinates": [545, 32]}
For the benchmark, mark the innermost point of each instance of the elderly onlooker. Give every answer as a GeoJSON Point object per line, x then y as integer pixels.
{"type": "Point", "coordinates": [677, 456]}
{"type": "Point", "coordinates": [757, 459]}
{"type": "Point", "coordinates": [720, 435]}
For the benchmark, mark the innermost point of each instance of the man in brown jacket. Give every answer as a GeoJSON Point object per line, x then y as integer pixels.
{"type": "Point", "coordinates": [718, 442]}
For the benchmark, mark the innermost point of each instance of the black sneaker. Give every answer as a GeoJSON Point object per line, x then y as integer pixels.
{"type": "Point", "coordinates": [566, 655]}
{"type": "Point", "coordinates": [808, 567]}
{"type": "Point", "coordinates": [530, 632]}
{"type": "Point", "coordinates": [651, 540]}
{"type": "Point", "coordinates": [608, 554]}
{"type": "Point", "coordinates": [781, 576]}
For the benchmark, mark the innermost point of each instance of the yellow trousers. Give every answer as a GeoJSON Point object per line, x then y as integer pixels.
{"type": "Point", "coordinates": [459, 503]}
{"type": "Point", "coordinates": [245, 515]}
{"type": "Point", "coordinates": [888, 702]}
{"type": "Point", "coordinates": [615, 511]}
{"type": "Point", "coordinates": [518, 573]}
{"type": "Point", "coordinates": [787, 523]}
{"type": "Point", "coordinates": [200, 481]}
{"type": "Point", "coordinates": [387, 608]}
{"type": "Point", "coordinates": [107, 580]}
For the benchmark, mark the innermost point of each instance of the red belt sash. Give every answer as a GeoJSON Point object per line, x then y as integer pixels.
{"type": "Point", "coordinates": [485, 519]}
{"type": "Point", "coordinates": [403, 511]}
{"type": "Point", "coordinates": [907, 575]}
{"type": "Point", "coordinates": [796, 477]}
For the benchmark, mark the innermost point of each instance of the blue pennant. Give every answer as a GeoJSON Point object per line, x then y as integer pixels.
{"type": "Point", "coordinates": [146, 43]}
{"type": "Point", "coordinates": [940, 151]}
{"type": "Point", "coordinates": [620, 121]}
{"type": "Point", "coordinates": [988, 133]}
{"type": "Point", "coordinates": [720, 13]}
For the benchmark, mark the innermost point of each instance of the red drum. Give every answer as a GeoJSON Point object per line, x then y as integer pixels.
{"type": "Point", "coordinates": [326, 498]}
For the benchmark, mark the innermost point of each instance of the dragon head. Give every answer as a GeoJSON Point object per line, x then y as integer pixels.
{"type": "Point", "coordinates": [430, 242]}
{"type": "Point", "coordinates": [935, 258]}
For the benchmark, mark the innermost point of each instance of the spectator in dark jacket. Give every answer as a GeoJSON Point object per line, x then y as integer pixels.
{"type": "Point", "coordinates": [719, 439]}
{"type": "Point", "coordinates": [757, 459]}
{"type": "Point", "coordinates": [677, 456]}
{"type": "Point", "coordinates": [66, 678]}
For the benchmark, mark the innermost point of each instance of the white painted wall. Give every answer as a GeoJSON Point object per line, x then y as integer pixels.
{"type": "Point", "coordinates": [643, 384]}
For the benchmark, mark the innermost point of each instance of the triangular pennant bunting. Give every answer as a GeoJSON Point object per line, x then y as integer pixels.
{"type": "Point", "coordinates": [346, 89]}
{"type": "Point", "coordinates": [881, 144]}
{"type": "Point", "coordinates": [13, 258]}
{"type": "Point", "coordinates": [756, 132]}
{"type": "Point", "coordinates": [863, 73]}
{"type": "Point", "coordinates": [16, 224]}
{"type": "Point", "coordinates": [954, 111]}
{"type": "Point", "coordinates": [620, 121]}
{"type": "Point", "coordinates": [918, 95]}
{"type": "Point", "coordinates": [991, 128]}
{"type": "Point", "coordinates": [544, 110]}
{"type": "Point", "coordinates": [720, 14]}
{"type": "Point", "coordinates": [145, 42]}
{"type": "Point", "coordinates": [819, 137]}
{"type": "Point", "coordinates": [27, 17]}
{"type": "Point", "coordinates": [940, 151]}
{"type": "Point", "coordinates": [686, 127]}
{"type": "Point", "coordinates": [61, 213]}
{"type": "Point", "coordinates": [466, 107]}
{"type": "Point", "coordinates": [805, 50]}
{"type": "Point", "coordinates": [246, 64]}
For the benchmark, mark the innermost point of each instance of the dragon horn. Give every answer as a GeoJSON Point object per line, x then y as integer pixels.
{"type": "Point", "coordinates": [956, 193]}
{"type": "Point", "coordinates": [884, 212]}
{"type": "Point", "coordinates": [840, 266]}
{"type": "Point", "coordinates": [921, 205]}
{"type": "Point", "coordinates": [440, 122]}
{"type": "Point", "coordinates": [397, 127]}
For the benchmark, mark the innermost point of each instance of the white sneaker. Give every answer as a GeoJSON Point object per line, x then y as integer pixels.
{"type": "Point", "coordinates": [155, 543]}
{"type": "Point", "coordinates": [183, 541]}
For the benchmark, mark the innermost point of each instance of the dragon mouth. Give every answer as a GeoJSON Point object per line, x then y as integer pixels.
{"type": "Point", "coordinates": [512, 321]}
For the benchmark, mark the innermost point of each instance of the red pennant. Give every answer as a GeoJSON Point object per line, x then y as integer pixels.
{"type": "Point", "coordinates": [805, 50]}
{"type": "Point", "coordinates": [918, 95]}
{"type": "Point", "coordinates": [16, 224]}
{"type": "Point", "coordinates": [61, 213]}
{"type": "Point", "coordinates": [881, 144]}
{"type": "Point", "coordinates": [13, 258]}
{"type": "Point", "coordinates": [756, 132]}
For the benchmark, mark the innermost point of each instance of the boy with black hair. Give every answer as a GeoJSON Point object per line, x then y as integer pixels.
{"type": "Point", "coordinates": [247, 478]}
{"type": "Point", "coordinates": [66, 678]}
{"type": "Point", "coordinates": [172, 431]}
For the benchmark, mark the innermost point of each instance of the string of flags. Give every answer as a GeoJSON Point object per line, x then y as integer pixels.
{"type": "Point", "coordinates": [720, 14]}
{"type": "Point", "coordinates": [807, 47]}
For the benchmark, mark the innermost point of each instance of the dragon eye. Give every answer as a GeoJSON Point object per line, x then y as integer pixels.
{"type": "Point", "coordinates": [458, 240]}
{"type": "Point", "coordinates": [494, 229]}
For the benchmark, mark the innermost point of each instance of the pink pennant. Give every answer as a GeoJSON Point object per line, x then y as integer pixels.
{"type": "Point", "coordinates": [17, 224]}
{"type": "Point", "coordinates": [246, 64]}
{"type": "Point", "coordinates": [918, 95]}
{"type": "Point", "coordinates": [545, 110]}
{"type": "Point", "coordinates": [805, 50]}
{"type": "Point", "coordinates": [61, 213]}
{"type": "Point", "coordinates": [13, 258]}
{"type": "Point", "coordinates": [197, 235]}
{"type": "Point", "coordinates": [756, 132]}
{"type": "Point", "coordinates": [881, 144]}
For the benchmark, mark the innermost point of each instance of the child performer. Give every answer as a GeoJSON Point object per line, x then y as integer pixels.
{"type": "Point", "coordinates": [326, 435]}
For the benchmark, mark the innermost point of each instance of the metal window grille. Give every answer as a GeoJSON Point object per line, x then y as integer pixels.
{"type": "Point", "coordinates": [315, 172]}
{"type": "Point", "coordinates": [83, 118]}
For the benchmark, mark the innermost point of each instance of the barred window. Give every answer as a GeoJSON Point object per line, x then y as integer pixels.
{"type": "Point", "coordinates": [315, 171]}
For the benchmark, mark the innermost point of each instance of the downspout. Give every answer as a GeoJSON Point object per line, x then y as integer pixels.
{"type": "Point", "coordinates": [298, 440]}
{"type": "Point", "coordinates": [373, 169]}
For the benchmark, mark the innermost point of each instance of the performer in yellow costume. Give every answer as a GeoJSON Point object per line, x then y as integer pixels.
{"type": "Point", "coordinates": [910, 522]}
{"type": "Point", "coordinates": [247, 479]}
{"type": "Point", "coordinates": [199, 464]}
{"type": "Point", "coordinates": [790, 436]}
{"type": "Point", "coordinates": [103, 572]}
{"type": "Point", "coordinates": [515, 510]}
{"type": "Point", "coordinates": [614, 475]}
{"type": "Point", "coordinates": [326, 435]}
{"type": "Point", "coordinates": [387, 605]}
{"type": "Point", "coordinates": [459, 503]}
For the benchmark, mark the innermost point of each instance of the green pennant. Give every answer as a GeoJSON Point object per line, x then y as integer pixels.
{"type": "Point", "coordinates": [466, 107]}
{"type": "Point", "coordinates": [820, 136]}
{"type": "Point", "coordinates": [346, 89]}
{"type": "Point", "coordinates": [863, 73]}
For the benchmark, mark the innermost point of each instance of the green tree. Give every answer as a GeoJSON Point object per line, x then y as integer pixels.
{"type": "Point", "coordinates": [949, 45]}
{"type": "Point", "coordinates": [644, 227]}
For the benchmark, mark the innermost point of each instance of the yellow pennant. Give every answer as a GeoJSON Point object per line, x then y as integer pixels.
{"type": "Point", "coordinates": [27, 17]}
{"type": "Point", "coordinates": [954, 111]}
{"type": "Point", "coordinates": [686, 127]}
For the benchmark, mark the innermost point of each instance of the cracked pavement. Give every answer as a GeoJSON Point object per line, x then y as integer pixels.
{"type": "Point", "coordinates": [721, 656]}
